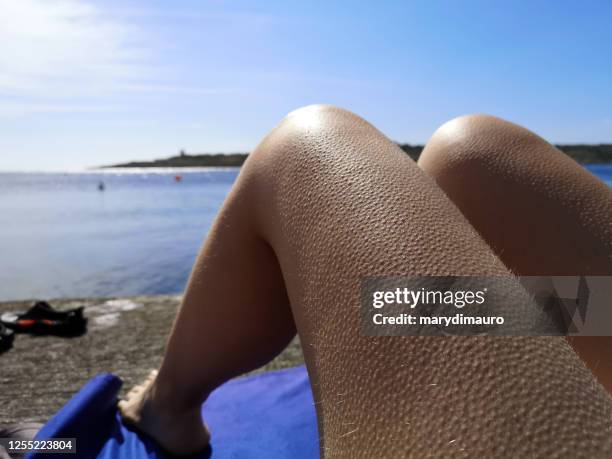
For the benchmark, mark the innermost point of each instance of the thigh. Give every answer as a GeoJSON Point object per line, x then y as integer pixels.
{"type": "Point", "coordinates": [540, 211]}
{"type": "Point", "coordinates": [337, 201]}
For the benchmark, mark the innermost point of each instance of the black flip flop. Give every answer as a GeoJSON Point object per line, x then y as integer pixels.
{"type": "Point", "coordinates": [43, 319]}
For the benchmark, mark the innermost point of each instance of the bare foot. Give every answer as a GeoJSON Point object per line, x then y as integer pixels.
{"type": "Point", "coordinates": [178, 432]}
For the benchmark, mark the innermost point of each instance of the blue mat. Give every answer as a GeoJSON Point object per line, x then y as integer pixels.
{"type": "Point", "coordinates": [270, 415]}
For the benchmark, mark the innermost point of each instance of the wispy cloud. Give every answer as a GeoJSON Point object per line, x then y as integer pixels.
{"type": "Point", "coordinates": [62, 56]}
{"type": "Point", "coordinates": [191, 15]}
{"type": "Point", "coordinates": [64, 46]}
{"type": "Point", "coordinates": [18, 110]}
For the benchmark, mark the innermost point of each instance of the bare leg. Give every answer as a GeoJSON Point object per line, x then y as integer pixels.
{"type": "Point", "coordinates": [541, 213]}
{"type": "Point", "coordinates": [324, 200]}
{"type": "Point", "coordinates": [234, 318]}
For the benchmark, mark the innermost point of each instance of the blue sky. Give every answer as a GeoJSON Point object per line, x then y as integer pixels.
{"type": "Point", "coordinates": [85, 83]}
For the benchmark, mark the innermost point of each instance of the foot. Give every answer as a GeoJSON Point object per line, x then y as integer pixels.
{"type": "Point", "coordinates": [178, 431]}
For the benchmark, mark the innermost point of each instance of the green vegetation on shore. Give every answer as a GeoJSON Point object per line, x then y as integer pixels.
{"type": "Point", "coordinates": [589, 154]}
{"type": "Point", "coordinates": [185, 160]}
{"type": "Point", "coordinates": [585, 154]}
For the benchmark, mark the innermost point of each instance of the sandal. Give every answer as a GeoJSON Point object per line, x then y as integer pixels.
{"type": "Point", "coordinates": [43, 319]}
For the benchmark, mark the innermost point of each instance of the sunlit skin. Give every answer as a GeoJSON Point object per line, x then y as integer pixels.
{"type": "Point", "coordinates": [540, 212]}
{"type": "Point", "coordinates": [326, 199]}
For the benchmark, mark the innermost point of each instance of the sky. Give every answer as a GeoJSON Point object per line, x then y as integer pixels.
{"type": "Point", "coordinates": [88, 83]}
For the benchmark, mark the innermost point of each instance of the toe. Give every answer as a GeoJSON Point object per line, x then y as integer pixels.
{"type": "Point", "coordinates": [134, 391]}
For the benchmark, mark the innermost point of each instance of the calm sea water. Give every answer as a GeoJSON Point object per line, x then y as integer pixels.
{"type": "Point", "coordinates": [62, 237]}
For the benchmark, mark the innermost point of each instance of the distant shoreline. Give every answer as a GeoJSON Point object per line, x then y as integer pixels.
{"type": "Point", "coordinates": [582, 153]}
{"type": "Point", "coordinates": [184, 160]}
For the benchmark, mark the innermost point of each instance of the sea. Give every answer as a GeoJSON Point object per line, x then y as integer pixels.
{"type": "Point", "coordinates": [61, 236]}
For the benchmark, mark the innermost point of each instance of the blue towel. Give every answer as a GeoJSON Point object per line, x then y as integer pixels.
{"type": "Point", "coordinates": [265, 416]}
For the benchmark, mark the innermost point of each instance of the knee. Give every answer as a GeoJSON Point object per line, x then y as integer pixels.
{"type": "Point", "coordinates": [308, 138]}
{"type": "Point", "coordinates": [293, 151]}
{"type": "Point", "coordinates": [309, 125]}
{"type": "Point", "coordinates": [292, 131]}
{"type": "Point", "coordinates": [308, 115]}
{"type": "Point", "coordinates": [477, 142]}
{"type": "Point", "coordinates": [291, 166]}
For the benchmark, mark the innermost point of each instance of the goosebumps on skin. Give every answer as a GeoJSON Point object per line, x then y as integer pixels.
{"type": "Point", "coordinates": [323, 201]}
{"type": "Point", "coordinates": [541, 212]}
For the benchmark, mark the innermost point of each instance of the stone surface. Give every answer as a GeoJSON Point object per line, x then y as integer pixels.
{"type": "Point", "coordinates": [126, 336]}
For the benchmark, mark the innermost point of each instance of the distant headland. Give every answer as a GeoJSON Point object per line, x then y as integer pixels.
{"type": "Point", "coordinates": [584, 154]}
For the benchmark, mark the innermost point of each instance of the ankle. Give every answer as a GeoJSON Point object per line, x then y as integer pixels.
{"type": "Point", "coordinates": [174, 400]}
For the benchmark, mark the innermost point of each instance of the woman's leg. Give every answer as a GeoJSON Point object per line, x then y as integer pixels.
{"type": "Point", "coordinates": [323, 201]}
{"type": "Point", "coordinates": [540, 212]}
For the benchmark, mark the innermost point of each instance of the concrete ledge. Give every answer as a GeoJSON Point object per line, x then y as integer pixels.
{"type": "Point", "coordinates": [126, 336]}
